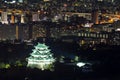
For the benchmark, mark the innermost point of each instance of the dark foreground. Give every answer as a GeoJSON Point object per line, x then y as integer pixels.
{"type": "Point", "coordinates": [106, 61]}
{"type": "Point", "coordinates": [61, 72]}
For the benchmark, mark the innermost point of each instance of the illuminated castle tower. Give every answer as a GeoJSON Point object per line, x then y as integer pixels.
{"type": "Point", "coordinates": [41, 57]}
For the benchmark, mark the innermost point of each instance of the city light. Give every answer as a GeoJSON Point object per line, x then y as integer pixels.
{"type": "Point", "coordinates": [59, 39]}
{"type": "Point", "coordinates": [80, 64]}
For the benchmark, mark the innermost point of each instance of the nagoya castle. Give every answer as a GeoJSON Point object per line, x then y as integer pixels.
{"type": "Point", "coordinates": [41, 57]}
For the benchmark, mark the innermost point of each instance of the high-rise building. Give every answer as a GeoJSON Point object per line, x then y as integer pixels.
{"type": "Point", "coordinates": [95, 15]}
{"type": "Point", "coordinates": [4, 18]}
{"type": "Point", "coordinates": [35, 17]}
{"type": "Point", "coordinates": [22, 18]}
{"type": "Point", "coordinates": [12, 19]}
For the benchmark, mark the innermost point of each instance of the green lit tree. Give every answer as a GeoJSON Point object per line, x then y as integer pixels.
{"type": "Point", "coordinates": [41, 57]}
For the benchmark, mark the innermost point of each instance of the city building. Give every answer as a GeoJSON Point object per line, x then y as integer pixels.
{"type": "Point", "coordinates": [4, 18]}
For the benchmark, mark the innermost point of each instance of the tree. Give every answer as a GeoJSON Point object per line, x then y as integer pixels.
{"type": "Point", "coordinates": [41, 57]}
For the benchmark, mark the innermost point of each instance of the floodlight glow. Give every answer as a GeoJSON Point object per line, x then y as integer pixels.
{"type": "Point", "coordinates": [13, 1]}
{"type": "Point", "coordinates": [80, 64]}
{"type": "Point", "coordinates": [118, 29]}
{"type": "Point", "coordinates": [5, 1]}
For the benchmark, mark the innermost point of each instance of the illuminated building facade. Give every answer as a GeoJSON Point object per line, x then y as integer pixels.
{"type": "Point", "coordinates": [95, 17]}
{"type": "Point", "coordinates": [15, 1]}
{"type": "Point", "coordinates": [4, 18]}
{"type": "Point", "coordinates": [35, 17]}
